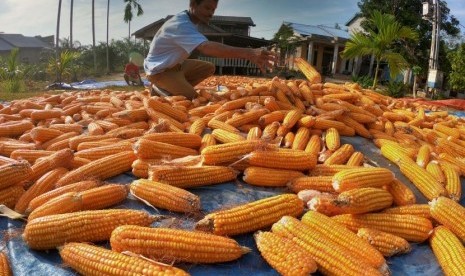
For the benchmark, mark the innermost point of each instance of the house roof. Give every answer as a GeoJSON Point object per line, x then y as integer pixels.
{"type": "Point", "coordinates": [351, 20]}
{"type": "Point", "coordinates": [232, 19]}
{"type": "Point", "coordinates": [318, 31]}
{"type": "Point", "coordinates": [10, 41]}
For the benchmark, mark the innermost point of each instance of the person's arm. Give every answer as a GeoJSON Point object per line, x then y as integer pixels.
{"type": "Point", "coordinates": [262, 58]}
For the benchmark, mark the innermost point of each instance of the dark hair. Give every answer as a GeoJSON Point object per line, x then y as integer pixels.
{"type": "Point", "coordinates": [199, 1]}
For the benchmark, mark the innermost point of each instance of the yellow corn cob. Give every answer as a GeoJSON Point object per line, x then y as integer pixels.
{"type": "Point", "coordinates": [319, 183]}
{"type": "Point", "coordinates": [422, 179]}
{"type": "Point", "coordinates": [267, 177]}
{"type": "Point", "coordinates": [314, 145]}
{"type": "Point", "coordinates": [101, 169]}
{"type": "Point", "coordinates": [103, 151]}
{"type": "Point", "coordinates": [8, 147]}
{"type": "Point", "coordinates": [283, 159]}
{"type": "Point", "coordinates": [449, 251]}
{"type": "Point", "coordinates": [308, 70]}
{"type": "Point", "coordinates": [42, 134]}
{"type": "Point", "coordinates": [450, 147]}
{"type": "Point", "coordinates": [251, 216]}
{"type": "Point", "coordinates": [254, 133]}
{"type": "Point", "coordinates": [395, 153]}
{"type": "Point", "coordinates": [190, 176]}
{"type": "Point", "coordinates": [5, 160]}
{"type": "Point", "coordinates": [5, 269]}
{"type": "Point", "coordinates": [452, 184]}
{"type": "Point", "coordinates": [332, 258]}
{"type": "Point", "coordinates": [449, 213]}
{"type": "Point", "coordinates": [332, 139]}
{"type": "Point", "coordinates": [239, 103]}
{"type": "Point", "coordinates": [246, 118]}
{"type": "Point", "coordinates": [446, 130]}
{"type": "Point", "coordinates": [230, 152]}
{"type": "Point", "coordinates": [15, 129]}
{"type": "Point", "coordinates": [356, 159]}
{"type": "Point", "coordinates": [389, 128]}
{"type": "Point", "coordinates": [167, 109]}
{"type": "Point", "coordinates": [44, 184]}
{"type": "Point", "coordinates": [340, 156]}
{"type": "Point", "coordinates": [14, 173]}
{"type": "Point", "coordinates": [95, 144]}
{"type": "Point", "coordinates": [165, 196]}
{"type": "Point", "coordinates": [338, 234]}
{"type": "Point", "coordinates": [187, 140]}
{"type": "Point", "coordinates": [38, 115]}
{"type": "Point", "coordinates": [61, 158]}
{"type": "Point", "coordinates": [91, 260]}
{"type": "Point", "coordinates": [421, 210]}
{"type": "Point", "coordinates": [324, 124]}
{"type": "Point", "coordinates": [301, 139]}
{"type": "Point", "coordinates": [359, 128]}
{"type": "Point", "coordinates": [410, 227]}
{"type": "Point", "coordinates": [66, 203]}
{"type": "Point", "coordinates": [198, 127]}
{"type": "Point", "coordinates": [148, 149]}
{"type": "Point", "coordinates": [454, 161]}
{"type": "Point", "coordinates": [291, 118]}
{"type": "Point", "coordinates": [86, 226]}
{"type": "Point", "coordinates": [65, 136]}
{"type": "Point", "coordinates": [423, 156]}
{"type": "Point", "coordinates": [224, 136]}
{"type": "Point", "coordinates": [434, 169]}
{"type": "Point", "coordinates": [95, 129]}
{"type": "Point", "coordinates": [45, 197]}
{"type": "Point", "coordinates": [133, 115]}
{"type": "Point", "coordinates": [401, 193]}
{"type": "Point", "coordinates": [361, 178]}
{"type": "Point", "coordinates": [207, 140]}
{"type": "Point", "coordinates": [282, 131]}
{"type": "Point", "coordinates": [306, 93]}
{"type": "Point", "coordinates": [385, 243]}
{"type": "Point", "coordinates": [103, 197]}
{"type": "Point", "coordinates": [275, 116]}
{"type": "Point", "coordinates": [271, 104]}
{"type": "Point", "coordinates": [363, 200]}
{"type": "Point", "coordinates": [9, 196]}
{"type": "Point", "coordinates": [284, 255]}
{"type": "Point", "coordinates": [324, 203]}
{"type": "Point", "coordinates": [176, 245]}
{"type": "Point", "coordinates": [269, 132]}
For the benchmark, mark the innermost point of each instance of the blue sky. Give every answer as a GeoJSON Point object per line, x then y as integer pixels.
{"type": "Point", "coordinates": [39, 17]}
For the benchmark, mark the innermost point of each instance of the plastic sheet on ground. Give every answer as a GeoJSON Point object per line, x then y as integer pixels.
{"type": "Point", "coordinates": [420, 261]}
{"type": "Point", "coordinates": [92, 84]}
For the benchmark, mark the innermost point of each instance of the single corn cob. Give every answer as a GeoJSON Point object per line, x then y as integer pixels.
{"type": "Point", "coordinates": [91, 260]}
{"type": "Point", "coordinates": [361, 177]}
{"type": "Point", "coordinates": [8, 147]}
{"type": "Point", "coordinates": [338, 234]}
{"type": "Point", "coordinates": [134, 115]}
{"type": "Point", "coordinates": [284, 255]}
{"type": "Point", "coordinates": [147, 149]}
{"type": "Point", "coordinates": [324, 124]}
{"type": "Point", "coordinates": [254, 133]}
{"type": "Point", "coordinates": [319, 183]}
{"type": "Point", "coordinates": [15, 129]}
{"type": "Point", "coordinates": [66, 203]}
{"type": "Point", "coordinates": [446, 130]}
{"type": "Point", "coordinates": [190, 176]}
{"type": "Point", "coordinates": [291, 118]}
{"type": "Point", "coordinates": [454, 161]}
{"type": "Point", "coordinates": [176, 245]}
{"type": "Point", "coordinates": [9, 196]}
{"type": "Point", "coordinates": [267, 177]}
{"type": "Point", "coordinates": [449, 213]}
{"type": "Point", "coordinates": [45, 114]}
{"type": "Point", "coordinates": [103, 197]}
{"type": "Point", "coordinates": [95, 144]}
{"type": "Point", "coordinates": [423, 156]}
{"type": "Point", "coordinates": [101, 169]}
{"type": "Point", "coordinates": [434, 169]}
{"type": "Point", "coordinates": [401, 193]}
{"type": "Point", "coordinates": [67, 127]}
{"type": "Point", "coordinates": [306, 121]}
{"type": "Point", "coordinates": [103, 151]}
{"type": "Point", "coordinates": [14, 173]}
{"type": "Point", "coordinates": [395, 153]}
{"type": "Point", "coordinates": [64, 137]}
{"type": "Point", "coordinates": [42, 134]}
{"type": "Point", "coordinates": [363, 200]}
{"type": "Point", "coordinates": [187, 140]}
{"type": "Point", "coordinates": [422, 179]}
{"type": "Point", "coordinates": [217, 124]}
{"type": "Point", "coordinates": [323, 203]}
{"type": "Point", "coordinates": [421, 210]}
{"type": "Point", "coordinates": [283, 159]}
{"type": "Point", "coordinates": [224, 136]}
{"type": "Point", "coordinates": [165, 196]}
{"type": "Point", "coordinates": [275, 116]}
{"type": "Point", "coordinates": [87, 226]}
{"type": "Point", "coordinates": [389, 128]}
{"type": "Point", "coordinates": [197, 127]}
{"type": "Point", "coordinates": [251, 216]}
{"type": "Point", "coordinates": [329, 170]}
{"type": "Point", "coordinates": [332, 139]}
{"type": "Point", "coordinates": [385, 243]}
{"type": "Point", "coordinates": [207, 140]}
{"type": "Point", "coordinates": [301, 139]}
{"type": "Point", "coordinates": [410, 227]}
{"type": "Point", "coordinates": [356, 159]}
{"type": "Point", "coordinates": [270, 131]}
{"type": "Point", "coordinates": [61, 158]}
{"type": "Point", "coordinates": [449, 251]}
{"type": "Point", "coordinates": [246, 118]}
{"type": "Point", "coordinates": [288, 140]}
{"type": "Point", "coordinates": [452, 185]}
{"type": "Point", "coordinates": [5, 269]}
{"type": "Point", "coordinates": [308, 70]}
{"type": "Point", "coordinates": [230, 152]}
{"type": "Point", "coordinates": [44, 184]}
{"type": "Point", "coordinates": [167, 109]}
{"type": "Point", "coordinates": [340, 156]}
{"type": "Point", "coordinates": [45, 197]}
{"type": "Point", "coordinates": [331, 258]}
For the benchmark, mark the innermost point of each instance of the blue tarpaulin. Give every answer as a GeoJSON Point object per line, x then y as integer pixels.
{"type": "Point", "coordinates": [420, 261]}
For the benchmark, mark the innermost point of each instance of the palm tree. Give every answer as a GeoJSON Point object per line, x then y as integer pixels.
{"type": "Point", "coordinates": [128, 15]}
{"type": "Point", "coordinates": [57, 46]}
{"type": "Point", "coordinates": [108, 28]}
{"type": "Point", "coordinates": [93, 36]}
{"type": "Point", "coordinates": [71, 24]}
{"type": "Point", "coordinates": [379, 41]}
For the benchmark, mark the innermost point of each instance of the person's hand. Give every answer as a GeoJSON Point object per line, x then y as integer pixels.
{"type": "Point", "coordinates": [263, 58]}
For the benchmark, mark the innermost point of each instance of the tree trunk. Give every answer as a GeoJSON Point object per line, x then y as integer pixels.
{"type": "Point", "coordinates": [375, 80]}
{"type": "Point", "coordinates": [71, 25]}
{"type": "Point", "coordinates": [129, 30]}
{"type": "Point", "coordinates": [414, 86]}
{"type": "Point", "coordinates": [93, 36]}
{"type": "Point", "coordinates": [57, 43]}
{"type": "Point", "coordinates": [108, 28]}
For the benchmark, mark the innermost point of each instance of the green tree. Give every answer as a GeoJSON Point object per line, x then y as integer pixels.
{"type": "Point", "coordinates": [286, 41]}
{"type": "Point", "coordinates": [128, 15]}
{"type": "Point", "coordinates": [11, 73]}
{"type": "Point", "coordinates": [378, 40]}
{"type": "Point", "coordinates": [457, 74]}
{"type": "Point", "coordinates": [64, 66]}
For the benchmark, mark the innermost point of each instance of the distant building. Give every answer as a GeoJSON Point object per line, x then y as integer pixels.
{"type": "Point", "coordinates": [30, 48]}
{"type": "Point", "coordinates": [229, 30]}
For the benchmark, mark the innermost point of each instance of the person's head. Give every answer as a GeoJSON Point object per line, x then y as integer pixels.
{"type": "Point", "coordinates": [202, 11]}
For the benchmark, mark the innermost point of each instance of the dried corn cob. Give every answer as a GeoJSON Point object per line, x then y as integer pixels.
{"type": "Point", "coordinates": [15, 129]}
{"type": "Point", "coordinates": [187, 140]}
{"type": "Point", "coordinates": [330, 257]}
{"type": "Point", "coordinates": [176, 245]}
{"type": "Point", "coordinates": [86, 226]}
{"type": "Point", "coordinates": [291, 118]}
{"type": "Point", "coordinates": [283, 159]}
{"type": "Point", "coordinates": [454, 161]}
{"type": "Point", "coordinates": [92, 260]}
{"type": "Point", "coordinates": [331, 231]}
{"type": "Point", "coordinates": [9, 196]}
{"type": "Point", "coordinates": [452, 185]}
{"type": "Point", "coordinates": [284, 255]}
{"type": "Point", "coordinates": [340, 156]}
{"type": "Point", "coordinates": [363, 200]}
{"type": "Point", "coordinates": [449, 251]}
{"type": "Point", "coordinates": [309, 71]}
{"type": "Point", "coordinates": [254, 133]}
{"type": "Point", "coordinates": [319, 183]}
{"type": "Point", "coordinates": [198, 127]}
{"type": "Point", "coordinates": [423, 156]}
{"type": "Point", "coordinates": [167, 109]}
{"type": "Point", "coordinates": [165, 196]}
{"type": "Point", "coordinates": [224, 136]}
{"type": "Point", "coordinates": [410, 227]}
{"type": "Point", "coordinates": [101, 169]}
{"type": "Point", "coordinates": [421, 210]}
{"type": "Point", "coordinates": [434, 169]}
{"type": "Point", "coordinates": [356, 159]}
{"type": "Point", "coordinates": [14, 173]}
{"type": "Point", "coordinates": [230, 152]}
{"type": "Point", "coordinates": [449, 213]}
{"type": "Point", "coordinates": [385, 243]}
{"type": "Point", "coordinates": [66, 203]}
{"type": "Point", "coordinates": [251, 216]}
{"type": "Point", "coordinates": [361, 177]}
{"type": "Point", "coordinates": [148, 149]}
{"type": "Point", "coordinates": [401, 193]}
{"type": "Point", "coordinates": [191, 176]}
{"type": "Point", "coordinates": [5, 269]}
{"type": "Point", "coordinates": [267, 177]}
{"type": "Point", "coordinates": [61, 158]}
{"type": "Point", "coordinates": [301, 139]}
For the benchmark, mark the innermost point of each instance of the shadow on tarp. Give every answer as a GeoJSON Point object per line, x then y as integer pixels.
{"type": "Point", "coordinates": [90, 84]}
